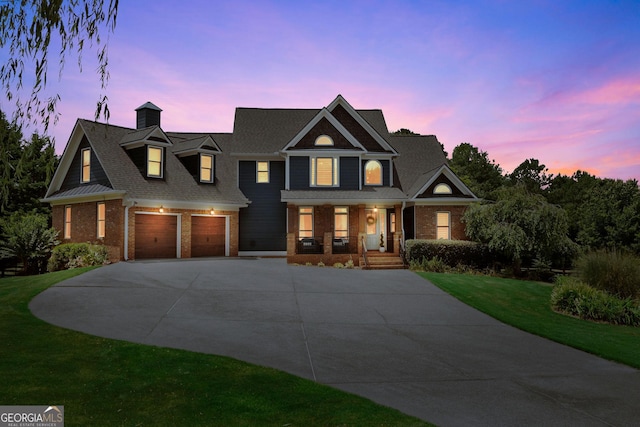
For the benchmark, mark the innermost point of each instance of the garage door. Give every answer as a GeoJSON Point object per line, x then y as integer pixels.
{"type": "Point", "coordinates": [156, 236]}
{"type": "Point", "coordinates": [208, 236]}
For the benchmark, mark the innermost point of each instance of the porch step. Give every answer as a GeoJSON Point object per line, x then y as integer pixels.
{"type": "Point", "coordinates": [382, 261]}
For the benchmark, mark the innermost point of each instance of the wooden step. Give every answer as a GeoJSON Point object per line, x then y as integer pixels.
{"type": "Point", "coordinates": [382, 261]}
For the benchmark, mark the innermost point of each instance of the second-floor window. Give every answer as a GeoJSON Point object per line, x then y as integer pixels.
{"type": "Point", "coordinates": [85, 173]}
{"type": "Point", "coordinates": [262, 172]}
{"type": "Point", "coordinates": [206, 168]}
{"type": "Point", "coordinates": [373, 173]}
{"type": "Point", "coordinates": [324, 172]}
{"type": "Point", "coordinates": [154, 162]}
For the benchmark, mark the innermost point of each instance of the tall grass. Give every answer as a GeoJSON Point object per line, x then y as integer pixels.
{"type": "Point", "coordinates": [614, 272]}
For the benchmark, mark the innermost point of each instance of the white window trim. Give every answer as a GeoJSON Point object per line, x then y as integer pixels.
{"type": "Point", "coordinates": [442, 188]}
{"type": "Point", "coordinates": [330, 142]}
{"type": "Point", "coordinates": [268, 171]}
{"type": "Point", "coordinates": [149, 147]}
{"type": "Point", "coordinates": [98, 221]}
{"type": "Point", "coordinates": [335, 173]}
{"type": "Point", "coordinates": [448, 224]}
{"type": "Point", "coordinates": [312, 221]}
{"type": "Point", "coordinates": [381, 173]}
{"type": "Point", "coordinates": [207, 181]}
{"type": "Point", "coordinates": [335, 214]}
{"type": "Point", "coordinates": [67, 222]}
{"type": "Point", "coordinates": [82, 165]}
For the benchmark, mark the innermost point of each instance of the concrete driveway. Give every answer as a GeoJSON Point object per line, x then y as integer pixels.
{"type": "Point", "coordinates": [387, 335]}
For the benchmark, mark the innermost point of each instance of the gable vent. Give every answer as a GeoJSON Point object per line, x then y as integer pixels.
{"type": "Point", "coordinates": [147, 115]}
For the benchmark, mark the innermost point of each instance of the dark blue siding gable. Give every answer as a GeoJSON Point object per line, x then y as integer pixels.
{"type": "Point", "coordinates": [263, 225]}
{"type": "Point", "coordinates": [98, 175]}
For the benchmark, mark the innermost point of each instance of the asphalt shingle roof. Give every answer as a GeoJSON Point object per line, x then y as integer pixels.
{"type": "Point", "coordinates": [420, 157]}
{"type": "Point", "coordinates": [177, 185]}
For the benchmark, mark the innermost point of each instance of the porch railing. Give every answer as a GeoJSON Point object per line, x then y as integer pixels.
{"type": "Point", "coordinates": [364, 252]}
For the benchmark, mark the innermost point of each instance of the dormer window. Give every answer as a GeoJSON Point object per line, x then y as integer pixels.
{"type": "Point", "coordinates": [373, 173]}
{"type": "Point", "coordinates": [155, 162]}
{"type": "Point", "coordinates": [85, 173]}
{"type": "Point", "coordinates": [324, 140]}
{"type": "Point", "coordinates": [206, 168]}
{"type": "Point", "coordinates": [442, 189]}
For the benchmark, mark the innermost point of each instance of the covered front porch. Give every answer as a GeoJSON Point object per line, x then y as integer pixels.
{"type": "Point", "coordinates": [341, 233]}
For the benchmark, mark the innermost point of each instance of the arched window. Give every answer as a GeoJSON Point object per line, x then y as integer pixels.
{"type": "Point", "coordinates": [324, 140]}
{"type": "Point", "coordinates": [442, 189]}
{"type": "Point", "coordinates": [373, 173]}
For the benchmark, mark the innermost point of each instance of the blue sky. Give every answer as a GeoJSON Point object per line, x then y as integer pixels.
{"type": "Point", "coordinates": [554, 80]}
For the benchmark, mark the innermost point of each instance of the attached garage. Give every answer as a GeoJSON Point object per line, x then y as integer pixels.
{"type": "Point", "coordinates": [208, 236]}
{"type": "Point", "coordinates": [156, 236]}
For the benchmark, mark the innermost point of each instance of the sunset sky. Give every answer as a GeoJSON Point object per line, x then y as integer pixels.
{"type": "Point", "coordinates": [558, 81]}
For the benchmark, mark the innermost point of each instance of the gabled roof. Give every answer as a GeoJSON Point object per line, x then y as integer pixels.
{"type": "Point", "coordinates": [324, 114]}
{"type": "Point", "coordinates": [139, 137]}
{"type": "Point", "coordinates": [185, 144]}
{"type": "Point", "coordinates": [124, 176]}
{"type": "Point", "coordinates": [429, 178]}
{"type": "Point", "coordinates": [378, 133]}
{"type": "Point", "coordinates": [418, 153]}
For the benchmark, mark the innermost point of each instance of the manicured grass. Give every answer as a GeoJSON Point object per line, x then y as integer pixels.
{"type": "Point", "coordinates": [526, 305]}
{"type": "Point", "coordinates": [104, 382]}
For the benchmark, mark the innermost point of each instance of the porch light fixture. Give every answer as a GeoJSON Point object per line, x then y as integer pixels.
{"type": "Point", "coordinates": [212, 211]}
{"type": "Point", "coordinates": [161, 210]}
{"type": "Point", "coordinates": [375, 209]}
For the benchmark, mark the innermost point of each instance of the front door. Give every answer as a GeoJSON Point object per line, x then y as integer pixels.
{"type": "Point", "coordinates": [376, 225]}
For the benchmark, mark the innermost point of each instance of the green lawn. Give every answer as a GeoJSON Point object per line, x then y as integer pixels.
{"type": "Point", "coordinates": [104, 382]}
{"type": "Point", "coordinates": [526, 305]}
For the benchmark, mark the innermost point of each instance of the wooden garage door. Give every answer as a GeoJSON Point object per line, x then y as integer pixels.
{"type": "Point", "coordinates": [156, 236]}
{"type": "Point", "coordinates": [207, 236]}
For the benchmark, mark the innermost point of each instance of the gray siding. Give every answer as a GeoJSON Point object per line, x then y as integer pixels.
{"type": "Point", "coordinates": [263, 225]}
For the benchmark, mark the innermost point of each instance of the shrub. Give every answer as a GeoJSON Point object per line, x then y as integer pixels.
{"type": "Point", "coordinates": [576, 298]}
{"type": "Point", "coordinates": [338, 265]}
{"type": "Point", "coordinates": [349, 264]}
{"type": "Point", "coordinates": [73, 255]}
{"type": "Point", "coordinates": [451, 252]}
{"type": "Point", "coordinates": [435, 265]}
{"type": "Point", "coordinates": [29, 239]}
{"type": "Point", "coordinates": [614, 272]}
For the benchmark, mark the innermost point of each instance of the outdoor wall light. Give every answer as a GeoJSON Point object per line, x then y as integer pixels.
{"type": "Point", "coordinates": [161, 210]}
{"type": "Point", "coordinates": [212, 211]}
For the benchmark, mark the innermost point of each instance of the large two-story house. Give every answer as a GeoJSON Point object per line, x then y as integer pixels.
{"type": "Point", "coordinates": [312, 184]}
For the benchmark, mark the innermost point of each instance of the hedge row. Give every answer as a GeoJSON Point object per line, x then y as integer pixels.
{"type": "Point", "coordinates": [451, 252]}
{"type": "Point", "coordinates": [74, 255]}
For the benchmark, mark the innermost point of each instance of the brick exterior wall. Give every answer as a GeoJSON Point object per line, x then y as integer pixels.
{"type": "Point", "coordinates": [84, 225]}
{"type": "Point", "coordinates": [425, 218]}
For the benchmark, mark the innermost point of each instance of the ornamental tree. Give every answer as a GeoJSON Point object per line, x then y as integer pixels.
{"type": "Point", "coordinates": [520, 226]}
